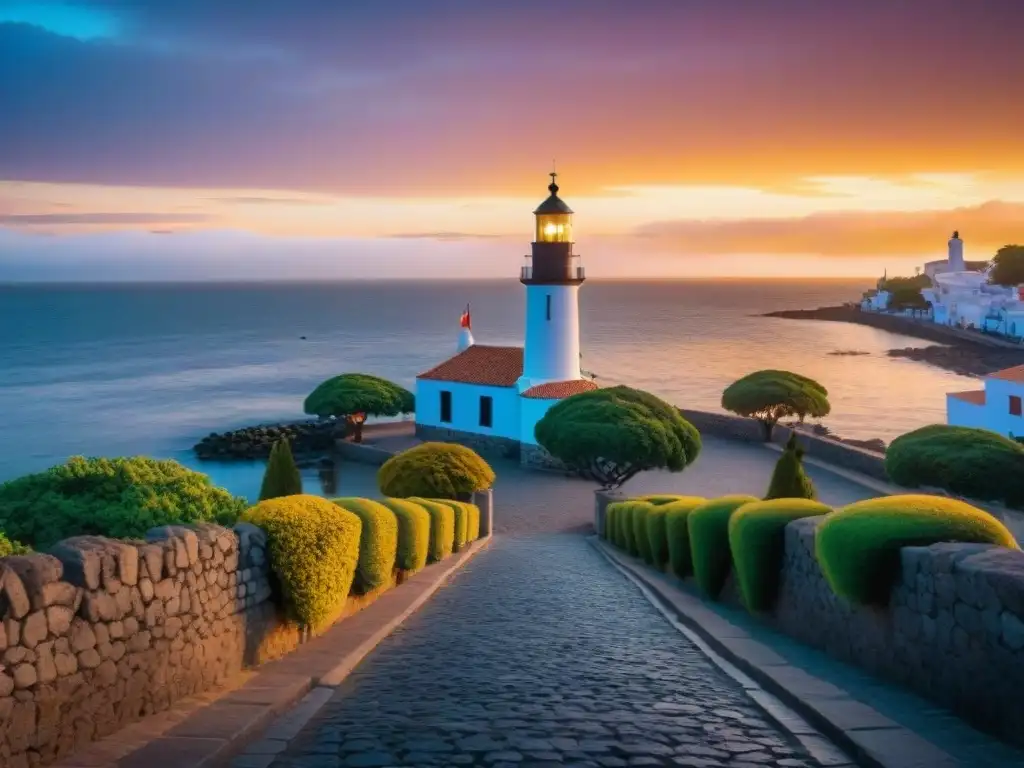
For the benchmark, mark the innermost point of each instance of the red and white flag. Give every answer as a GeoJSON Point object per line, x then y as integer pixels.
{"type": "Point", "coordinates": [464, 321]}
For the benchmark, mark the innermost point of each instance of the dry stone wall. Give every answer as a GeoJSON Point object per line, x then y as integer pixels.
{"type": "Point", "coordinates": [99, 633]}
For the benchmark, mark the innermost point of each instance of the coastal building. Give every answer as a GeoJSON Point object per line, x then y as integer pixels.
{"type": "Point", "coordinates": [491, 397]}
{"type": "Point", "coordinates": [998, 407]}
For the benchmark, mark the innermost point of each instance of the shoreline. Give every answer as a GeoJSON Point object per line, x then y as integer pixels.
{"type": "Point", "coordinates": [967, 353]}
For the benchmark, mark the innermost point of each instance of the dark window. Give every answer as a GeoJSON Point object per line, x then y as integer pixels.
{"type": "Point", "coordinates": [486, 411]}
{"type": "Point", "coordinates": [1014, 405]}
{"type": "Point", "coordinates": [549, 306]}
{"type": "Point", "coordinates": [446, 406]}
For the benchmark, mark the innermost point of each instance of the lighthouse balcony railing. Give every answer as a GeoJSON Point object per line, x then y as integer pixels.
{"type": "Point", "coordinates": [571, 273]}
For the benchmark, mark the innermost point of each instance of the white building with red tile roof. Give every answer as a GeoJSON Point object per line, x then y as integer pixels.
{"type": "Point", "coordinates": [998, 407]}
{"type": "Point", "coordinates": [491, 397]}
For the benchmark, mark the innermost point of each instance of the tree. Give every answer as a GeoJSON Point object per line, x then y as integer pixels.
{"type": "Point", "coordinates": [353, 396]}
{"type": "Point", "coordinates": [768, 396]}
{"type": "Point", "coordinates": [907, 297]}
{"type": "Point", "coordinates": [609, 435]}
{"type": "Point", "coordinates": [1008, 266]}
{"type": "Point", "coordinates": [282, 477]}
{"type": "Point", "coordinates": [435, 471]}
{"type": "Point", "coordinates": [789, 481]}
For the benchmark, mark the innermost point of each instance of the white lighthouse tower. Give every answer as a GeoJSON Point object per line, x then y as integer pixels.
{"type": "Point", "coordinates": [552, 278]}
{"type": "Point", "coordinates": [956, 253]}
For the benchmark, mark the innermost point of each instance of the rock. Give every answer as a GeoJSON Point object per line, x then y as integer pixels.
{"type": "Point", "coordinates": [34, 630]}
{"type": "Point", "coordinates": [6, 687]}
{"type": "Point", "coordinates": [89, 659]}
{"type": "Point", "coordinates": [153, 557]}
{"type": "Point", "coordinates": [100, 606]}
{"type": "Point", "coordinates": [82, 558]}
{"type": "Point", "coordinates": [82, 635]}
{"type": "Point", "coordinates": [15, 603]}
{"type": "Point", "coordinates": [1012, 631]}
{"type": "Point", "coordinates": [58, 619]}
{"type": "Point", "coordinates": [65, 663]}
{"type": "Point", "coordinates": [166, 589]}
{"type": "Point", "coordinates": [60, 593]}
{"type": "Point", "coordinates": [25, 676]}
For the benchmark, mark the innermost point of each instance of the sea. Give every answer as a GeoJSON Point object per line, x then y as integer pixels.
{"type": "Point", "coordinates": [149, 369]}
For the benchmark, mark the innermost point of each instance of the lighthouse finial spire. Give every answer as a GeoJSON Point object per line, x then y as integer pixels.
{"type": "Point", "coordinates": [553, 186]}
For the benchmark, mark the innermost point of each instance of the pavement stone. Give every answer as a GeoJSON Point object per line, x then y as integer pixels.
{"type": "Point", "coordinates": [538, 652]}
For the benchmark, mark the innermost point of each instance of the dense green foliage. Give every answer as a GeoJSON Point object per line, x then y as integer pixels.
{"type": "Point", "coordinates": [858, 547]}
{"type": "Point", "coordinates": [378, 543]}
{"type": "Point", "coordinates": [657, 538]}
{"type": "Point", "coordinates": [907, 297]}
{"type": "Point", "coordinates": [613, 515]}
{"type": "Point", "coordinates": [894, 284]}
{"type": "Point", "coordinates": [757, 543]}
{"type": "Point", "coordinates": [413, 533]}
{"type": "Point", "coordinates": [435, 470]}
{"type": "Point", "coordinates": [609, 435]}
{"type": "Point", "coordinates": [969, 462]}
{"type": "Point", "coordinates": [771, 395]}
{"type": "Point", "coordinates": [281, 477]}
{"type": "Point", "coordinates": [8, 547]}
{"type": "Point", "coordinates": [461, 530]}
{"type": "Point", "coordinates": [121, 498]}
{"type": "Point", "coordinates": [789, 481]}
{"type": "Point", "coordinates": [658, 499]}
{"type": "Point", "coordinates": [354, 396]}
{"type": "Point", "coordinates": [640, 539]}
{"type": "Point", "coordinates": [314, 548]}
{"type": "Point", "coordinates": [627, 530]}
{"type": "Point", "coordinates": [442, 528]}
{"type": "Point", "coordinates": [1008, 266]}
{"type": "Point", "coordinates": [676, 533]}
{"type": "Point", "coordinates": [708, 529]}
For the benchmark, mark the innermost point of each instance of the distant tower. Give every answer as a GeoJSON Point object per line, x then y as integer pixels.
{"type": "Point", "coordinates": [552, 279]}
{"type": "Point", "coordinates": [956, 253]}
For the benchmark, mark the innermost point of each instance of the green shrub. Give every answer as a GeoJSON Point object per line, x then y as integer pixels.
{"type": "Point", "coordinates": [858, 547]}
{"type": "Point", "coordinates": [613, 522]}
{"type": "Point", "coordinates": [757, 542]}
{"type": "Point", "coordinates": [120, 498]}
{"type": "Point", "coordinates": [789, 481]}
{"type": "Point", "coordinates": [314, 549]}
{"type": "Point", "coordinates": [708, 529]}
{"type": "Point", "coordinates": [442, 528]}
{"type": "Point", "coordinates": [461, 530]}
{"type": "Point", "coordinates": [641, 542]}
{"type": "Point", "coordinates": [378, 542]}
{"type": "Point", "coordinates": [435, 470]}
{"type": "Point", "coordinates": [962, 460]}
{"type": "Point", "coordinates": [281, 477]}
{"type": "Point", "coordinates": [472, 515]}
{"type": "Point", "coordinates": [413, 533]}
{"type": "Point", "coordinates": [657, 542]}
{"type": "Point", "coordinates": [675, 533]}
{"type": "Point", "coordinates": [632, 546]}
{"type": "Point", "coordinates": [8, 547]}
{"type": "Point", "coordinates": [657, 499]}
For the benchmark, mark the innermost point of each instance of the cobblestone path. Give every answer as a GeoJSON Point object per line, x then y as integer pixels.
{"type": "Point", "coordinates": [540, 654]}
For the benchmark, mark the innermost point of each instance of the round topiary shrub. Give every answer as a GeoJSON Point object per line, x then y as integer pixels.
{"type": "Point", "coordinates": [708, 530]}
{"type": "Point", "coordinates": [858, 547]}
{"type": "Point", "coordinates": [676, 533]}
{"type": "Point", "coordinates": [757, 541]}
{"type": "Point", "coordinates": [314, 549]}
{"type": "Point", "coordinates": [378, 543]}
{"type": "Point", "coordinates": [435, 470]}
{"type": "Point", "coordinates": [638, 519]}
{"type": "Point", "coordinates": [120, 498]}
{"type": "Point", "coordinates": [968, 462]}
{"type": "Point", "coordinates": [442, 528]}
{"type": "Point", "coordinates": [413, 533]}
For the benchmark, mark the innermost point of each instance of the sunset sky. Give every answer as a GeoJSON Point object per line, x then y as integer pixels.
{"type": "Point", "coordinates": [412, 138]}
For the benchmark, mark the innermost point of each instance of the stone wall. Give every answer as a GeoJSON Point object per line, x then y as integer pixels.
{"type": "Point", "coordinates": [490, 446]}
{"type": "Point", "coordinates": [100, 633]}
{"type": "Point", "coordinates": [953, 629]}
{"type": "Point", "coordinates": [535, 457]}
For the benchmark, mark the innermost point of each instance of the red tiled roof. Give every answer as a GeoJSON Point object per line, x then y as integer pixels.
{"type": "Point", "coordinates": [480, 364]}
{"type": "Point", "coordinates": [556, 390]}
{"type": "Point", "coordinates": [973, 396]}
{"type": "Point", "coordinates": [1010, 374]}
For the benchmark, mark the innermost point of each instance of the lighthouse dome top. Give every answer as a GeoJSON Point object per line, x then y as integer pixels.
{"type": "Point", "coordinates": [553, 204]}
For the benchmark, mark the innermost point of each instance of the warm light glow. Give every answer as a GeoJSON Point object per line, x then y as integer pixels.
{"type": "Point", "coordinates": [554, 228]}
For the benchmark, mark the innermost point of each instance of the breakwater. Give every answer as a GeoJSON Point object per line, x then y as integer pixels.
{"type": "Point", "coordinates": [308, 439]}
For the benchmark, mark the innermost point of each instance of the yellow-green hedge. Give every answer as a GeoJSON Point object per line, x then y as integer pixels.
{"type": "Point", "coordinates": [442, 528]}
{"type": "Point", "coordinates": [413, 533]}
{"type": "Point", "coordinates": [641, 543]}
{"type": "Point", "coordinates": [657, 541]}
{"type": "Point", "coordinates": [708, 530]}
{"type": "Point", "coordinates": [314, 549]}
{"type": "Point", "coordinates": [676, 535]}
{"type": "Point", "coordinates": [757, 542]}
{"type": "Point", "coordinates": [471, 513]}
{"type": "Point", "coordinates": [378, 544]}
{"type": "Point", "coordinates": [435, 470]}
{"type": "Point", "coordinates": [613, 515]}
{"type": "Point", "coordinates": [657, 499]}
{"type": "Point", "coordinates": [460, 532]}
{"type": "Point", "coordinates": [858, 547]}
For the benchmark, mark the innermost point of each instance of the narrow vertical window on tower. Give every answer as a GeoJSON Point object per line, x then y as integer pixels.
{"type": "Point", "coordinates": [549, 306]}
{"type": "Point", "coordinates": [486, 411]}
{"type": "Point", "coordinates": [446, 406]}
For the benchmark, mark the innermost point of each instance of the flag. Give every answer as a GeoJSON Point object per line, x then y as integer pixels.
{"type": "Point", "coordinates": [464, 321]}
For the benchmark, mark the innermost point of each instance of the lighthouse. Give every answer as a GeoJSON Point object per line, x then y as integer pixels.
{"type": "Point", "coordinates": [491, 397]}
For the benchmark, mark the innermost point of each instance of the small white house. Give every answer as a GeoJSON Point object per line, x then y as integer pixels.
{"type": "Point", "coordinates": [999, 407]}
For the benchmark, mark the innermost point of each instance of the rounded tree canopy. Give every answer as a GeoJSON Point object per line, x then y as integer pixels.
{"type": "Point", "coordinates": [435, 471]}
{"type": "Point", "coordinates": [1008, 266]}
{"type": "Point", "coordinates": [771, 395]}
{"type": "Point", "coordinates": [352, 393]}
{"type": "Point", "coordinates": [612, 434]}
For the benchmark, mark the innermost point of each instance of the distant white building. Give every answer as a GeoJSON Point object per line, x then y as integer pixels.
{"type": "Point", "coordinates": [491, 397]}
{"type": "Point", "coordinates": [998, 407]}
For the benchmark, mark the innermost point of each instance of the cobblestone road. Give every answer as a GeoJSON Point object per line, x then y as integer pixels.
{"type": "Point", "coordinates": [540, 654]}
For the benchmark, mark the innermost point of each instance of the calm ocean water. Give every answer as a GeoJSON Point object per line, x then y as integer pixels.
{"type": "Point", "coordinates": [123, 370]}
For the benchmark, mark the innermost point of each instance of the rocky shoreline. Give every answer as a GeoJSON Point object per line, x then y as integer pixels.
{"type": "Point", "coordinates": [310, 441]}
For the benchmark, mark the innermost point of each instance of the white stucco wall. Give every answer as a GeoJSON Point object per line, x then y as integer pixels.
{"type": "Point", "coordinates": [552, 346]}
{"type": "Point", "coordinates": [466, 407]}
{"type": "Point", "coordinates": [532, 410]}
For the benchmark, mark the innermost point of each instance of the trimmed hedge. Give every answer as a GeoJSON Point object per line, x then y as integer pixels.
{"type": "Point", "coordinates": [858, 547]}
{"type": "Point", "coordinates": [435, 470]}
{"type": "Point", "coordinates": [413, 533]}
{"type": "Point", "coordinates": [707, 528]}
{"type": "Point", "coordinates": [969, 462]}
{"type": "Point", "coordinates": [626, 528]}
{"type": "Point", "coordinates": [657, 499]}
{"type": "Point", "coordinates": [657, 541]}
{"type": "Point", "coordinates": [442, 528]}
{"type": "Point", "coordinates": [641, 543]}
{"type": "Point", "coordinates": [613, 515]}
{"type": "Point", "coordinates": [378, 543]}
{"type": "Point", "coordinates": [460, 531]}
{"type": "Point", "coordinates": [471, 513]}
{"type": "Point", "coordinates": [676, 533]}
{"type": "Point", "coordinates": [757, 542]}
{"type": "Point", "coordinates": [314, 550]}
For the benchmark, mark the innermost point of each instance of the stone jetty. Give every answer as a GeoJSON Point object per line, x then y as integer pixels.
{"type": "Point", "coordinates": [309, 440]}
